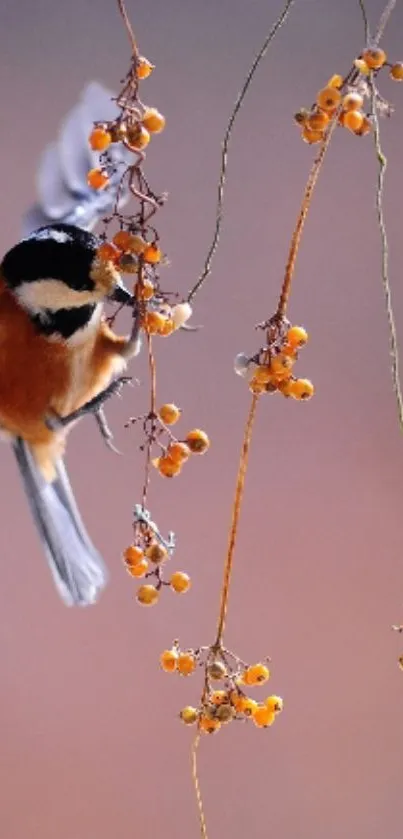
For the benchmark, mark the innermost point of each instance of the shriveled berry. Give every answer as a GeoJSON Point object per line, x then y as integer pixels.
{"type": "Point", "coordinates": [147, 595]}
{"type": "Point", "coordinates": [156, 553]}
{"type": "Point", "coordinates": [197, 441]}
{"type": "Point", "coordinates": [225, 713]}
{"type": "Point", "coordinates": [217, 670]}
{"type": "Point", "coordinates": [136, 244]}
{"type": "Point", "coordinates": [180, 582]}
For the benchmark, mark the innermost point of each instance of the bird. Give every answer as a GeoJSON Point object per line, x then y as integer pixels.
{"type": "Point", "coordinates": [59, 361]}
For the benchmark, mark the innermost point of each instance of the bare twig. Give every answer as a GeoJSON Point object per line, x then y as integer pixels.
{"type": "Point", "coordinates": [129, 28]}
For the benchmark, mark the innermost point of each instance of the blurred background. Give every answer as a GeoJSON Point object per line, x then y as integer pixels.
{"type": "Point", "coordinates": [90, 742]}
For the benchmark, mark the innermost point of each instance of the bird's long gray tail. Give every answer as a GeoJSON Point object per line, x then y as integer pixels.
{"type": "Point", "coordinates": [77, 568]}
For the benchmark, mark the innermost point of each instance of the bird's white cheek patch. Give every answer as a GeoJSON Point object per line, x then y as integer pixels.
{"type": "Point", "coordinates": [53, 295]}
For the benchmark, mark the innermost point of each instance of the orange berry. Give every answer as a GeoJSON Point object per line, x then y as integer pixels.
{"type": "Point", "coordinates": [180, 582]}
{"type": "Point", "coordinates": [297, 336]}
{"type": "Point", "coordinates": [156, 552]}
{"type": "Point", "coordinates": [301, 389]}
{"type": "Point", "coordinates": [353, 101]}
{"type": "Point", "coordinates": [167, 467]}
{"type": "Point", "coordinates": [263, 717]}
{"type": "Point", "coordinates": [257, 387]}
{"type": "Point", "coordinates": [189, 715]}
{"type": "Point", "coordinates": [152, 254]}
{"type": "Point", "coordinates": [147, 595]}
{"type": "Point", "coordinates": [362, 66]}
{"type": "Point", "coordinates": [178, 452]}
{"type": "Point", "coordinates": [138, 570]}
{"type": "Point", "coordinates": [138, 137]}
{"type": "Point", "coordinates": [281, 366]}
{"type": "Point", "coordinates": [353, 120]}
{"type": "Point", "coordinates": [374, 58]}
{"type": "Point", "coordinates": [318, 121]}
{"type": "Point", "coordinates": [219, 697]}
{"type": "Point", "coordinates": [285, 386]}
{"type": "Point", "coordinates": [132, 555]}
{"type": "Point", "coordinates": [209, 726]}
{"type": "Point", "coordinates": [257, 674]}
{"type": "Point", "coordinates": [197, 441]}
{"type": "Point", "coordinates": [335, 81]}
{"type": "Point", "coordinates": [153, 121]}
{"type": "Point", "coordinates": [217, 670]}
{"type": "Point", "coordinates": [310, 136]}
{"type": "Point", "coordinates": [274, 703]}
{"type": "Point", "coordinates": [186, 664]}
{"type": "Point", "coordinates": [365, 127]}
{"type": "Point", "coordinates": [99, 139]}
{"type": "Point", "coordinates": [247, 706]}
{"type": "Point", "coordinates": [167, 328]}
{"type": "Point", "coordinates": [328, 98]}
{"type": "Point", "coordinates": [289, 350]}
{"type": "Point", "coordinates": [169, 413]}
{"type": "Point", "coordinates": [262, 374]}
{"type": "Point", "coordinates": [144, 290]}
{"type": "Point", "coordinates": [169, 660]}
{"type": "Point", "coordinates": [153, 322]}
{"type": "Point", "coordinates": [136, 244]}
{"type": "Point", "coordinates": [97, 179]}
{"type": "Point", "coordinates": [396, 71]}
{"type": "Point", "coordinates": [107, 252]}
{"type": "Point", "coordinates": [144, 68]}
{"type": "Point", "coordinates": [121, 239]}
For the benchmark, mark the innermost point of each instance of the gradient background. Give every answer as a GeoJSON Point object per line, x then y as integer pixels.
{"type": "Point", "coordinates": [90, 743]}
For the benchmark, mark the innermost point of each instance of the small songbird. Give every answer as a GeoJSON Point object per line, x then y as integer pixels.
{"type": "Point", "coordinates": [59, 360]}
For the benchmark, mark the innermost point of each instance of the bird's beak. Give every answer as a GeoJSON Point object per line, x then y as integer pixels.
{"type": "Point", "coordinates": [121, 295]}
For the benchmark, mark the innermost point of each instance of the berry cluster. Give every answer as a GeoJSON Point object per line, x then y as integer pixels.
{"type": "Point", "coordinates": [344, 98]}
{"type": "Point", "coordinates": [271, 369]}
{"type": "Point", "coordinates": [174, 452]}
{"type": "Point", "coordinates": [146, 556]}
{"type": "Point", "coordinates": [224, 698]}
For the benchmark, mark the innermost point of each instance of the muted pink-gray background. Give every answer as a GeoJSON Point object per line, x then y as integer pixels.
{"type": "Point", "coordinates": [90, 744]}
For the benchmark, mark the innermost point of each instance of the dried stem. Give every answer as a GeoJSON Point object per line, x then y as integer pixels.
{"type": "Point", "coordinates": [224, 148]}
{"type": "Point", "coordinates": [296, 237]}
{"type": "Point", "coordinates": [236, 511]}
{"type": "Point", "coordinates": [153, 388]}
{"type": "Point", "coordinates": [195, 776]}
{"type": "Point", "coordinates": [384, 20]}
{"type": "Point", "coordinates": [382, 161]}
{"type": "Point", "coordinates": [129, 28]}
{"type": "Point", "coordinates": [366, 22]}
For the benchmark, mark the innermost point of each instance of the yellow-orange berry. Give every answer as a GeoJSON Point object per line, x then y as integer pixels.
{"type": "Point", "coordinates": [335, 81]}
{"type": "Point", "coordinates": [362, 66]}
{"type": "Point", "coordinates": [197, 441]}
{"type": "Point", "coordinates": [138, 570]}
{"type": "Point", "coordinates": [108, 253]}
{"type": "Point", "coordinates": [99, 139]}
{"type": "Point", "coordinates": [318, 121]}
{"type": "Point", "coordinates": [396, 71]}
{"type": "Point", "coordinates": [274, 703]}
{"type": "Point", "coordinates": [263, 717]}
{"type": "Point", "coordinates": [285, 386]}
{"type": "Point", "coordinates": [178, 452]}
{"type": "Point", "coordinates": [180, 582]}
{"type": "Point", "coordinates": [144, 290]}
{"type": "Point", "coordinates": [152, 254]}
{"type": "Point", "coordinates": [153, 322]}
{"type": "Point", "coordinates": [310, 136]}
{"type": "Point", "coordinates": [138, 137]}
{"type": "Point", "coordinates": [121, 239]}
{"type": "Point", "coordinates": [247, 706]}
{"type": "Point", "coordinates": [257, 674]}
{"type": "Point", "coordinates": [167, 467]}
{"type": "Point", "coordinates": [144, 67]}
{"type": "Point", "coordinates": [262, 374]}
{"type": "Point", "coordinates": [219, 697]}
{"type": "Point", "coordinates": [97, 179]}
{"type": "Point", "coordinates": [136, 244]}
{"type": "Point", "coordinates": [132, 555]}
{"type": "Point", "coordinates": [352, 101]}
{"type": "Point", "coordinates": [186, 664]}
{"type": "Point", "coordinates": [374, 58]}
{"type": "Point", "coordinates": [156, 552]}
{"type": "Point", "coordinates": [281, 366]}
{"type": "Point", "coordinates": [169, 413]}
{"type": "Point", "coordinates": [257, 387]}
{"type": "Point", "coordinates": [153, 120]}
{"type": "Point", "coordinates": [209, 726]}
{"type": "Point", "coordinates": [167, 328]}
{"type": "Point", "coordinates": [147, 595]}
{"type": "Point", "coordinates": [217, 670]}
{"type": "Point", "coordinates": [328, 98]}
{"type": "Point", "coordinates": [301, 389]}
{"type": "Point", "coordinates": [366, 127]}
{"type": "Point", "coordinates": [353, 120]}
{"type": "Point", "coordinates": [169, 660]}
{"type": "Point", "coordinates": [297, 336]}
{"type": "Point", "coordinates": [189, 715]}
{"type": "Point", "coordinates": [235, 699]}
{"type": "Point", "coordinates": [289, 350]}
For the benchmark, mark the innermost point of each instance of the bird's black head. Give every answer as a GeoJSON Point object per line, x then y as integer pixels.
{"type": "Point", "coordinates": [56, 269]}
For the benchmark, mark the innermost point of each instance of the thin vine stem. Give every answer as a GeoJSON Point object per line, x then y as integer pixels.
{"type": "Point", "coordinates": [224, 149]}
{"type": "Point", "coordinates": [128, 27]}
{"type": "Point", "coordinates": [196, 782]}
{"type": "Point", "coordinates": [384, 20]}
{"type": "Point", "coordinates": [153, 398]}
